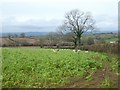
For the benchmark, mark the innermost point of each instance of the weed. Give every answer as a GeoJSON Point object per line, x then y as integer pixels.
{"type": "Point", "coordinates": [106, 83]}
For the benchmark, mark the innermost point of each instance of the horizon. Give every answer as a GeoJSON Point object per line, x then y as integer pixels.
{"type": "Point", "coordinates": [99, 31]}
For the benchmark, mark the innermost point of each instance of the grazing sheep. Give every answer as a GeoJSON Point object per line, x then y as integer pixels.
{"type": "Point", "coordinates": [86, 51]}
{"type": "Point", "coordinates": [78, 50]}
{"type": "Point", "coordinates": [112, 42]}
{"type": "Point", "coordinates": [74, 51]}
{"type": "Point", "coordinates": [55, 50]}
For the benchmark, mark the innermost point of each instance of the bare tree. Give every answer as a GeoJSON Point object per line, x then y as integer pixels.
{"type": "Point", "coordinates": [71, 38]}
{"type": "Point", "coordinates": [52, 38]}
{"type": "Point", "coordinates": [60, 36]}
{"type": "Point", "coordinates": [78, 23]}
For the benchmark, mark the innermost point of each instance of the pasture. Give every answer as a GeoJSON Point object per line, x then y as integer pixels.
{"type": "Point", "coordinates": [47, 68]}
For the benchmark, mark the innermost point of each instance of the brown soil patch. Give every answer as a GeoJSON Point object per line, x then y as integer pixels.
{"type": "Point", "coordinates": [98, 78]}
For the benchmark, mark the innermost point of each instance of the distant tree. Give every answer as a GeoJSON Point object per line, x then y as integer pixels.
{"type": "Point", "coordinates": [9, 36]}
{"type": "Point", "coordinates": [41, 42]}
{"type": "Point", "coordinates": [15, 35]}
{"type": "Point", "coordinates": [111, 32]}
{"type": "Point", "coordinates": [22, 35]}
{"type": "Point", "coordinates": [60, 36]}
{"type": "Point", "coordinates": [78, 23]}
{"type": "Point", "coordinates": [71, 38]}
{"type": "Point", "coordinates": [52, 38]}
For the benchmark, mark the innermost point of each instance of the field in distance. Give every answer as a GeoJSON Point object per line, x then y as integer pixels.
{"type": "Point", "coordinates": [45, 68]}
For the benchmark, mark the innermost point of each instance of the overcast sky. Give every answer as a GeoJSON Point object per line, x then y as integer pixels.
{"type": "Point", "coordinates": [51, 12]}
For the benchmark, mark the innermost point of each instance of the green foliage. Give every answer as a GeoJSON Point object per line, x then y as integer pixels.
{"type": "Point", "coordinates": [115, 66]}
{"type": "Point", "coordinates": [106, 83]}
{"type": "Point", "coordinates": [34, 67]}
{"type": "Point", "coordinates": [89, 77]}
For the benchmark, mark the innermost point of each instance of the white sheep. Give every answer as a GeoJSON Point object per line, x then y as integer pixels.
{"type": "Point", "coordinates": [55, 50]}
{"type": "Point", "coordinates": [86, 51]}
{"type": "Point", "coordinates": [73, 50]}
{"type": "Point", "coordinates": [78, 50]}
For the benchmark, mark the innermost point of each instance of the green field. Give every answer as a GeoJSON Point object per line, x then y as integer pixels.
{"type": "Point", "coordinates": [36, 68]}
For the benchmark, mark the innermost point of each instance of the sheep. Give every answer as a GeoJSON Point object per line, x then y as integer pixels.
{"type": "Point", "coordinates": [55, 50]}
{"type": "Point", "coordinates": [76, 51]}
{"type": "Point", "coordinates": [86, 51]}
{"type": "Point", "coordinates": [73, 50]}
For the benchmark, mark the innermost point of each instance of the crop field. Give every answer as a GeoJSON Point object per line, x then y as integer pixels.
{"type": "Point", "coordinates": [46, 68]}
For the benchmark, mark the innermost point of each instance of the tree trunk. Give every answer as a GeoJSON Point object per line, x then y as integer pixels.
{"type": "Point", "coordinates": [79, 43]}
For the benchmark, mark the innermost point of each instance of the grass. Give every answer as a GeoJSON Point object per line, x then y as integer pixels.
{"type": "Point", "coordinates": [36, 68]}
{"type": "Point", "coordinates": [111, 39]}
{"type": "Point", "coordinates": [107, 38]}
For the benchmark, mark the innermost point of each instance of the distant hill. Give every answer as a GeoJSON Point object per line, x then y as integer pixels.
{"type": "Point", "coordinates": [26, 33]}
{"type": "Point", "coordinates": [45, 33]}
{"type": "Point", "coordinates": [38, 30]}
{"type": "Point", "coordinates": [6, 28]}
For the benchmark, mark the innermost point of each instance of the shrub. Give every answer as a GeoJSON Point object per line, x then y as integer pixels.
{"type": "Point", "coordinates": [107, 48]}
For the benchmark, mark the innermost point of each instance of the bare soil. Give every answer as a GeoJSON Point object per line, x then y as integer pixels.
{"type": "Point", "coordinates": [98, 78]}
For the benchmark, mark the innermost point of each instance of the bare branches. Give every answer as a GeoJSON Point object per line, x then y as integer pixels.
{"type": "Point", "coordinates": [78, 22]}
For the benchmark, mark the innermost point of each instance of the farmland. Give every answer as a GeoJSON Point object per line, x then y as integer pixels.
{"type": "Point", "coordinates": [44, 68]}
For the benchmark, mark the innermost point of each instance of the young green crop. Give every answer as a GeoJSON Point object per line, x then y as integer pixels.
{"type": "Point", "coordinates": [35, 67]}
{"type": "Point", "coordinates": [106, 83]}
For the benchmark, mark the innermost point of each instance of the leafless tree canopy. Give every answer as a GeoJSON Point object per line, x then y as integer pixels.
{"type": "Point", "coordinates": [78, 23]}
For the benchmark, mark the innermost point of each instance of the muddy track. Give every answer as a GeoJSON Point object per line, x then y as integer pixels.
{"type": "Point", "coordinates": [98, 78]}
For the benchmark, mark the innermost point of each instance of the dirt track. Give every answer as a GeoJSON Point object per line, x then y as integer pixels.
{"type": "Point", "coordinates": [98, 78]}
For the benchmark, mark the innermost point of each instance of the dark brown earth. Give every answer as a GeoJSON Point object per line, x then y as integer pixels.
{"type": "Point", "coordinates": [98, 77]}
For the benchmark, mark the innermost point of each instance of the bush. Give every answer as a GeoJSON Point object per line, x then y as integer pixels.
{"type": "Point", "coordinates": [107, 48]}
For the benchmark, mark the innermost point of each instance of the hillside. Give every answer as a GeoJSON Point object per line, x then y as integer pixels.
{"type": "Point", "coordinates": [26, 33]}
{"type": "Point", "coordinates": [17, 41]}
